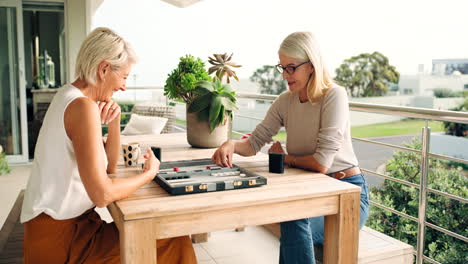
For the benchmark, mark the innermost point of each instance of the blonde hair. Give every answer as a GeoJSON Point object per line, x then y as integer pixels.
{"type": "Point", "coordinates": [304, 46]}
{"type": "Point", "coordinates": [102, 44]}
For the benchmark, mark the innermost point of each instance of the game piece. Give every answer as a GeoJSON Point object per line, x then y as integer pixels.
{"type": "Point", "coordinates": [157, 152]}
{"type": "Point", "coordinates": [276, 162]}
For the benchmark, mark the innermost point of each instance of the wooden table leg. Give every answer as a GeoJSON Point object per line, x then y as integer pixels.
{"type": "Point", "coordinates": [137, 242]}
{"type": "Point", "coordinates": [342, 232]}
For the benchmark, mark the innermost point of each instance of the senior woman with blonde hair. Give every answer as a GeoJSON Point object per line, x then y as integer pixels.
{"type": "Point", "coordinates": [69, 174]}
{"type": "Point", "coordinates": [315, 114]}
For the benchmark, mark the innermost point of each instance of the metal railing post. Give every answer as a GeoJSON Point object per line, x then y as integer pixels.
{"type": "Point", "coordinates": [426, 133]}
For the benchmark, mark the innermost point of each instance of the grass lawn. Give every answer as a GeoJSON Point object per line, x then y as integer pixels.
{"type": "Point", "coordinates": [395, 128]}
{"type": "Point", "coordinates": [384, 129]}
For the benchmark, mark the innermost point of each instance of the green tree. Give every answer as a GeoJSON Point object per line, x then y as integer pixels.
{"type": "Point", "coordinates": [446, 213]}
{"type": "Point", "coordinates": [457, 129]}
{"type": "Point", "coordinates": [367, 75]}
{"type": "Point", "coordinates": [269, 79]}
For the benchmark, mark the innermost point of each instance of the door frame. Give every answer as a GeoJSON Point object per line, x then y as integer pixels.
{"type": "Point", "coordinates": [20, 72]}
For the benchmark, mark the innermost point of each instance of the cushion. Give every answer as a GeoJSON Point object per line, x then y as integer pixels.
{"type": "Point", "coordinates": [140, 124]}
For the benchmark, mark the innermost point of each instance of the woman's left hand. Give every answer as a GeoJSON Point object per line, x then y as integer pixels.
{"type": "Point", "coordinates": [109, 111]}
{"type": "Point", "coordinates": [276, 148]}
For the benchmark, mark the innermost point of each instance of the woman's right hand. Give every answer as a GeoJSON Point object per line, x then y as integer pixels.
{"type": "Point", "coordinates": [151, 165]}
{"type": "Point", "coordinates": [223, 155]}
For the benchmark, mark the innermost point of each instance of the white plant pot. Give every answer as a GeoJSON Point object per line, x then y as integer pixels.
{"type": "Point", "coordinates": [200, 136]}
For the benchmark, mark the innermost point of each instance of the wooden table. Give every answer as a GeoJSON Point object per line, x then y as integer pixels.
{"type": "Point", "coordinates": [150, 213]}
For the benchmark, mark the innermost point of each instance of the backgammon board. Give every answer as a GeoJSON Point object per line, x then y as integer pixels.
{"type": "Point", "coordinates": [202, 175]}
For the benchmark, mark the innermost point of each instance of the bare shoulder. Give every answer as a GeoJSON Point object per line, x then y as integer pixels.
{"type": "Point", "coordinates": [82, 104]}
{"type": "Point", "coordinates": [81, 108]}
{"type": "Point", "coordinates": [81, 113]}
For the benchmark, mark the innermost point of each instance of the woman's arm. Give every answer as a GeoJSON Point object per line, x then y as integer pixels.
{"type": "Point", "coordinates": [305, 162]}
{"type": "Point", "coordinates": [111, 111]}
{"type": "Point", "coordinates": [82, 124]}
{"type": "Point", "coordinates": [223, 155]}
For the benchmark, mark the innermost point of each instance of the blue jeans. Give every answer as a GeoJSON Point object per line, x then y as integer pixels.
{"type": "Point", "coordinates": [299, 236]}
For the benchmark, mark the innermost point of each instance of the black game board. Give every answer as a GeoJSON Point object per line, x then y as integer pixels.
{"type": "Point", "coordinates": [202, 175]}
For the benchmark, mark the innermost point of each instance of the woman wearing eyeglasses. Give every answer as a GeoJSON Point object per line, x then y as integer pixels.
{"type": "Point", "coordinates": [315, 114]}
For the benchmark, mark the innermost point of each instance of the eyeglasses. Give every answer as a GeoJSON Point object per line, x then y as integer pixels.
{"type": "Point", "coordinates": [289, 69]}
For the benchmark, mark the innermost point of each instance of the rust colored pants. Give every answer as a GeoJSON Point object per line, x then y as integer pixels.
{"type": "Point", "coordinates": [87, 239]}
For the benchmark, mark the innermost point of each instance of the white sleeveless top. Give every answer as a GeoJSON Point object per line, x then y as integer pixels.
{"type": "Point", "coordinates": [55, 186]}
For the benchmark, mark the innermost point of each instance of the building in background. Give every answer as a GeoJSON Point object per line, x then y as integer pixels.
{"type": "Point", "coordinates": [449, 74]}
{"type": "Point", "coordinates": [450, 66]}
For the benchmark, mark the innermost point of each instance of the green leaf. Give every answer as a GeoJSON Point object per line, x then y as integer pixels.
{"type": "Point", "coordinates": [204, 114]}
{"type": "Point", "coordinates": [219, 120]}
{"type": "Point", "coordinates": [200, 103]}
{"type": "Point", "coordinates": [181, 82]}
{"type": "Point", "coordinates": [205, 85]}
{"type": "Point", "coordinates": [227, 88]}
{"type": "Point", "coordinates": [221, 116]}
{"type": "Point", "coordinates": [229, 95]}
{"type": "Point", "coordinates": [215, 108]}
{"type": "Point", "coordinates": [228, 104]}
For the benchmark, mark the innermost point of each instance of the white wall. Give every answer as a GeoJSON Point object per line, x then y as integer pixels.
{"type": "Point", "coordinates": [78, 21]}
{"type": "Point", "coordinates": [425, 84]}
{"type": "Point", "coordinates": [409, 83]}
{"type": "Point", "coordinates": [453, 82]}
{"type": "Point", "coordinates": [447, 103]}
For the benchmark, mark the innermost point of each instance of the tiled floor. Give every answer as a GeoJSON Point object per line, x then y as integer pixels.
{"type": "Point", "coordinates": [10, 185]}
{"type": "Point", "coordinates": [255, 245]}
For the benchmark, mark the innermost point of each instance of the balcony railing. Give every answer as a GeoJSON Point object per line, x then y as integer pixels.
{"type": "Point", "coordinates": [408, 112]}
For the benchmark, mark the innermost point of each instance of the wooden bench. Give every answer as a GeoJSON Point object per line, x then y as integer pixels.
{"type": "Point", "coordinates": [374, 247]}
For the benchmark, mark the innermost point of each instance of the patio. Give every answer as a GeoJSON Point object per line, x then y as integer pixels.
{"type": "Point", "coordinates": [227, 246]}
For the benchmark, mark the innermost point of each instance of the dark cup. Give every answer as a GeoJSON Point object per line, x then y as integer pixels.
{"type": "Point", "coordinates": [276, 162]}
{"type": "Point", "coordinates": [157, 152]}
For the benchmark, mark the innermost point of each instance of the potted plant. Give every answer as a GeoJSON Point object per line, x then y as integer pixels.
{"type": "Point", "coordinates": [181, 82]}
{"type": "Point", "coordinates": [209, 102]}
{"type": "Point", "coordinates": [209, 116]}
{"type": "Point", "coordinates": [3, 162]}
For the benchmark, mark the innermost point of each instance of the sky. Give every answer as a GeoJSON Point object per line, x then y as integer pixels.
{"type": "Point", "coordinates": [408, 32]}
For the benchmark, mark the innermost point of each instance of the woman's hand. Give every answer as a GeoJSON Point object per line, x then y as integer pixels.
{"type": "Point", "coordinates": [276, 148]}
{"type": "Point", "coordinates": [109, 112]}
{"type": "Point", "coordinates": [151, 165]}
{"type": "Point", "coordinates": [223, 155]}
